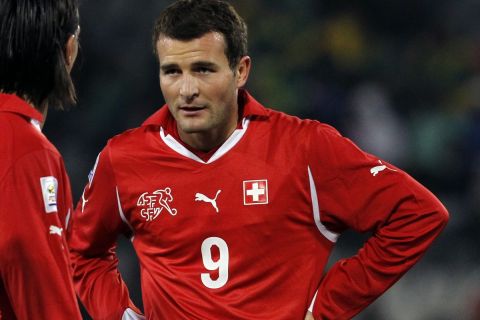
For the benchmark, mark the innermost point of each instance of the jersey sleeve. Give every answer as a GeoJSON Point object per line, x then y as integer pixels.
{"type": "Point", "coordinates": [95, 226]}
{"type": "Point", "coordinates": [34, 263]}
{"type": "Point", "coordinates": [358, 191]}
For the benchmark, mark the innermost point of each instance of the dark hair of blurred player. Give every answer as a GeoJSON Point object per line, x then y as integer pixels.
{"type": "Point", "coordinates": [38, 49]}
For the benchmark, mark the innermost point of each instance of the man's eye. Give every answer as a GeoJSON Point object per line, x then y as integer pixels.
{"type": "Point", "coordinates": [204, 70]}
{"type": "Point", "coordinates": [171, 72]}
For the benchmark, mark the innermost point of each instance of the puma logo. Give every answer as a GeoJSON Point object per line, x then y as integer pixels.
{"type": "Point", "coordinates": [375, 170]}
{"type": "Point", "coordinates": [56, 230]}
{"type": "Point", "coordinates": [84, 201]}
{"type": "Point", "coordinates": [204, 198]}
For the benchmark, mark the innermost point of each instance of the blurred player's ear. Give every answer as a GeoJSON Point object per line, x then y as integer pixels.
{"type": "Point", "coordinates": [243, 70]}
{"type": "Point", "coordinates": [71, 50]}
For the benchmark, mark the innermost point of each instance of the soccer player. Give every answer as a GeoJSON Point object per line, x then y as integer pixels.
{"type": "Point", "coordinates": [233, 208]}
{"type": "Point", "coordinates": [38, 47]}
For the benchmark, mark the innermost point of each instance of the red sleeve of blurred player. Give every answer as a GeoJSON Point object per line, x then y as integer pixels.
{"type": "Point", "coordinates": [361, 192]}
{"type": "Point", "coordinates": [96, 224]}
{"type": "Point", "coordinates": [34, 265]}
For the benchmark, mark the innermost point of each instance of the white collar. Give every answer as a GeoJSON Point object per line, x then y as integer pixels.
{"type": "Point", "coordinates": [226, 146]}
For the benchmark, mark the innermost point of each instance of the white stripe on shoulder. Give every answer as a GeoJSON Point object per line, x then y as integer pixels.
{"type": "Point", "coordinates": [332, 236]}
{"type": "Point", "coordinates": [36, 124]}
{"type": "Point", "coordinates": [122, 215]}
{"type": "Point", "coordinates": [129, 314]}
{"type": "Point", "coordinates": [234, 138]}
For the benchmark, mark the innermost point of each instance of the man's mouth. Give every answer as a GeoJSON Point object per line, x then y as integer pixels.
{"type": "Point", "coordinates": [190, 110]}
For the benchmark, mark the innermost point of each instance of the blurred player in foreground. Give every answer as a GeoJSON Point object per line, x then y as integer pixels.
{"type": "Point", "coordinates": [38, 47]}
{"type": "Point", "coordinates": [233, 208]}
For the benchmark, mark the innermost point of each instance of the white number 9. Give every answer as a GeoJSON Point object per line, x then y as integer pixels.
{"type": "Point", "coordinates": [221, 264]}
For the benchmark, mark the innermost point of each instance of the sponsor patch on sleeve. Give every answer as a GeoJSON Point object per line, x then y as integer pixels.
{"type": "Point", "coordinates": [92, 172]}
{"type": "Point", "coordinates": [49, 192]}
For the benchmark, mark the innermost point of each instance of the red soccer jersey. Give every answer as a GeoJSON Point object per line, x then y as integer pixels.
{"type": "Point", "coordinates": [35, 200]}
{"type": "Point", "coordinates": [247, 234]}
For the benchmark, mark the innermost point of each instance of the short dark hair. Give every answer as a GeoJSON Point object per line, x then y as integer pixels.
{"type": "Point", "coordinates": [190, 19]}
{"type": "Point", "coordinates": [33, 35]}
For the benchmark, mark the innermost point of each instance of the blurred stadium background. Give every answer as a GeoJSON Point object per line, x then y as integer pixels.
{"type": "Point", "coordinates": [400, 78]}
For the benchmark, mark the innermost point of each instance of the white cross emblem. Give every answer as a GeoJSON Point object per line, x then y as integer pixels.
{"type": "Point", "coordinates": [255, 192]}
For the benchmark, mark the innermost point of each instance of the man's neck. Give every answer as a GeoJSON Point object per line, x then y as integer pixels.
{"type": "Point", "coordinates": [206, 141]}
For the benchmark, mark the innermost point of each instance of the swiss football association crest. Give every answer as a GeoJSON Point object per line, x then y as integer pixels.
{"type": "Point", "coordinates": [154, 203]}
{"type": "Point", "coordinates": [255, 192]}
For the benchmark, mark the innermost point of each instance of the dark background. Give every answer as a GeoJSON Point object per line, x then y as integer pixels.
{"type": "Point", "coordinates": [400, 78]}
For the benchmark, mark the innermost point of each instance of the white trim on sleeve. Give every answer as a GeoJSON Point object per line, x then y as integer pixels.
{"type": "Point", "coordinates": [122, 215]}
{"type": "Point", "coordinates": [67, 218]}
{"type": "Point", "coordinates": [129, 314]}
{"type": "Point", "coordinates": [332, 236]}
{"type": "Point", "coordinates": [313, 302]}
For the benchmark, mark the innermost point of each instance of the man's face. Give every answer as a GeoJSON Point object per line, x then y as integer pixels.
{"type": "Point", "coordinates": [200, 88]}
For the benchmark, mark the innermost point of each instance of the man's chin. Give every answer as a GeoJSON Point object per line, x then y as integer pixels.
{"type": "Point", "coordinates": [192, 129]}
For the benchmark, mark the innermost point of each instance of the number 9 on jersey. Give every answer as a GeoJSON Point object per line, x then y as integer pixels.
{"type": "Point", "coordinates": [221, 264]}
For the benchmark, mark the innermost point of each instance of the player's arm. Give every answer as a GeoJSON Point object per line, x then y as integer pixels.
{"type": "Point", "coordinates": [95, 226]}
{"type": "Point", "coordinates": [34, 267]}
{"type": "Point", "coordinates": [358, 191]}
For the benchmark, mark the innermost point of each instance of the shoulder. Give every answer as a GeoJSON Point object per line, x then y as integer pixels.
{"type": "Point", "coordinates": [133, 141]}
{"type": "Point", "coordinates": [20, 139]}
{"type": "Point", "coordinates": [134, 136]}
{"type": "Point", "coordinates": [288, 124]}
{"type": "Point", "coordinates": [21, 129]}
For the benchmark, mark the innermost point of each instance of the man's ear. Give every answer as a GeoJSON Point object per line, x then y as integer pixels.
{"type": "Point", "coordinates": [71, 50]}
{"type": "Point", "coordinates": [243, 70]}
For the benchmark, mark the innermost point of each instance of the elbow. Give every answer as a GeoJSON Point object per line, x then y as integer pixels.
{"type": "Point", "coordinates": [442, 216]}
{"type": "Point", "coordinates": [439, 218]}
{"type": "Point", "coordinates": [435, 213]}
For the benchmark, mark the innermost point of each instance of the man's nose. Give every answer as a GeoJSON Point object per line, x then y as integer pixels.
{"type": "Point", "coordinates": [188, 87]}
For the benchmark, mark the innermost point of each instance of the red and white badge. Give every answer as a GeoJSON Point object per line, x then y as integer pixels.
{"type": "Point", "coordinates": [255, 192]}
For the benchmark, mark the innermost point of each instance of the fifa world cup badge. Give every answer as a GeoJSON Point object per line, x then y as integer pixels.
{"type": "Point", "coordinates": [49, 187]}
